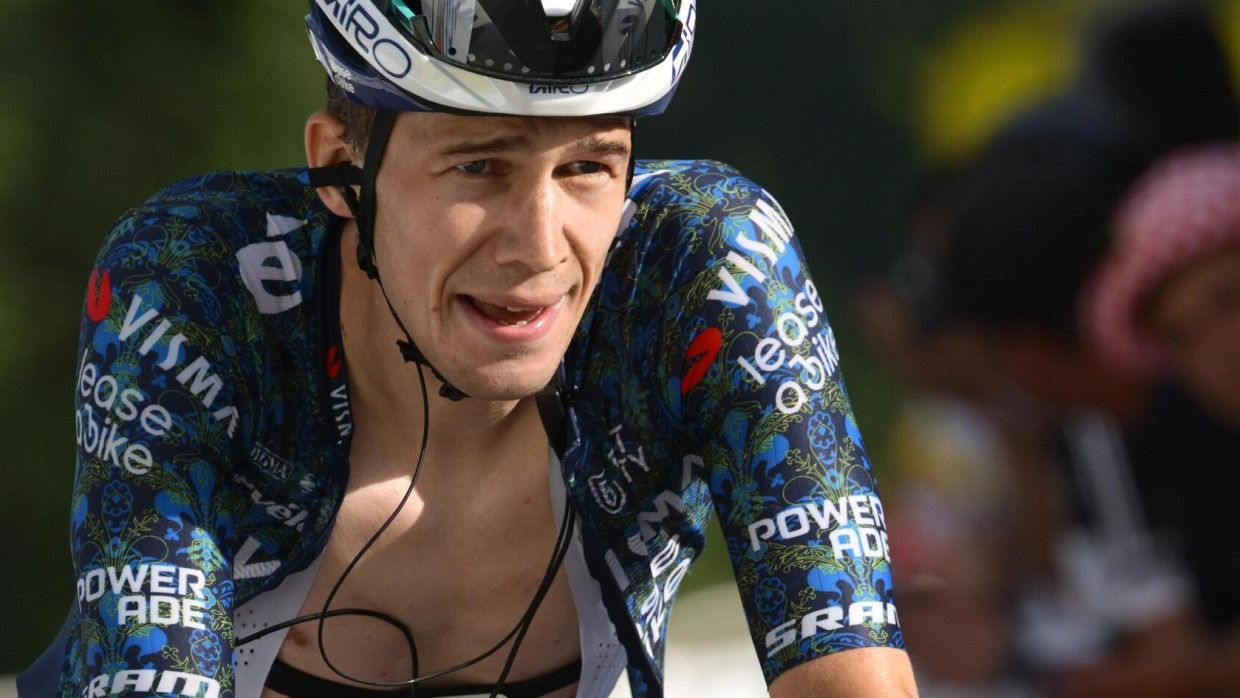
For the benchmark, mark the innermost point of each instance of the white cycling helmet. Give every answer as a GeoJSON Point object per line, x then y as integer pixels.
{"type": "Point", "coordinates": [500, 57]}
{"type": "Point", "coordinates": [515, 57]}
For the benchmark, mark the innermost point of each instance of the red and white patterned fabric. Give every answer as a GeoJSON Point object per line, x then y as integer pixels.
{"type": "Point", "coordinates": [1186, 207]}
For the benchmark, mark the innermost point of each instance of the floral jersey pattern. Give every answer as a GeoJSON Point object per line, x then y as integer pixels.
{"type": "Point", "coordinates": [213, 430]}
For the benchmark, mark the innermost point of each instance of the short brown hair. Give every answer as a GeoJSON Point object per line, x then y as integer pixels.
{"type": "Point", "coordinates": [356, 118]}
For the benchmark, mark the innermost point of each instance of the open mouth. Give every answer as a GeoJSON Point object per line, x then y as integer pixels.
{"type": "Point", "coordinates": [512, 316]}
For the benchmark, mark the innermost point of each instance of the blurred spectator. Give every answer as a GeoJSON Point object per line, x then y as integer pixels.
{"type": "Point", "coordinates": [1028, 228]}
{"type": "Point", "coordinates": [952, 492]}
{"type": "Point", "coordinates": [1167, 299]}
{"type": "Point", "coordinates": [1118, 616]}
{"type": "Point", "coordinates": [1166, 303]}
{"type": "Point", "coordinates": [1120, 549]}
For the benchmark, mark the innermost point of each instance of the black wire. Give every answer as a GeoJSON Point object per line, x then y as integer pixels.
{"type": "Point", "coordinates": [417, 471]}
{"type": "Point", "coordinates": [559, 552]}
{"type": "Point", "coordinates": [386, 618]}
{"type": "Point", "coordinates": [563, 539]}
{"type": "Point", "coordinates": [562, 543]}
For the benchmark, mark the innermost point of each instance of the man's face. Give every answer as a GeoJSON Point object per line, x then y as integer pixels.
{"type": "Point", "coordinates": [490, 236]}
{"type": "Point", "coordinates": [1196, 317]}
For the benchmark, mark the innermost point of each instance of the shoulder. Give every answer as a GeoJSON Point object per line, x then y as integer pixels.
{"type": "Point", "coordinates": [216, 234]}
{"type": "Point", "coordinates": [704, 204]}
{"type": "Point", "coordinates": [189, 279]}
{"type": "Point", "coordinates": [674, 183]}
{"type": "Point", "coordinates": [220, 210]}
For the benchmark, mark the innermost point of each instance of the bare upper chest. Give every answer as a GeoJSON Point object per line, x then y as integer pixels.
{"type": "Point", "coordinates": [458, 566]}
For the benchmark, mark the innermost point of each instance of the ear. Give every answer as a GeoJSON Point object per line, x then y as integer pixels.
{"type": "Point", "coordinates": [324, 147]}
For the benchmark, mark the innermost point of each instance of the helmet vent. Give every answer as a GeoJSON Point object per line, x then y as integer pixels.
{"type": "Point", "coordinates": [558, 8]}
{"type": "Point", "coordinates": [561, 29]}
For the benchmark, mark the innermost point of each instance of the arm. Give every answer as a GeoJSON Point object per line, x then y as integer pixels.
{"type": "Point", "coordinates": [860, 673]}
{"type": "Point", "coordinates": [157, 393]}
{"type": "Point", "coordinates": [764, 401]}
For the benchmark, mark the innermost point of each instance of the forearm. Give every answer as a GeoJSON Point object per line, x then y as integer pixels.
{"type": "Point", "coordinates": [870, 672]}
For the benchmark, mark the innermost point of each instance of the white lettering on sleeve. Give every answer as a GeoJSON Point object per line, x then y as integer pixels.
{"type": "Point", "coordinates": [270, 261]}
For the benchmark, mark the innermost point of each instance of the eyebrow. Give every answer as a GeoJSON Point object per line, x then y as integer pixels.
{"type": "Point", "coordinates": [593, 144]}
{"type": "Point", "coordinates": [498, 144]}
{"type": "Point", "coordinates": [597, 145]}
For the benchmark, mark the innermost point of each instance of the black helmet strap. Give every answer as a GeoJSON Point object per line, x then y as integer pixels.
{"type": "Point", "coordinates": [346, 175]}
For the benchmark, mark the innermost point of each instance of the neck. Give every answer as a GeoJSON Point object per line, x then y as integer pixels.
{"type": "Point", "coordinates": [386, 394]}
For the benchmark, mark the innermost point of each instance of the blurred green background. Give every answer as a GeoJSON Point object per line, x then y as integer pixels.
{"type": "Point", "coordinates": [836, 107]}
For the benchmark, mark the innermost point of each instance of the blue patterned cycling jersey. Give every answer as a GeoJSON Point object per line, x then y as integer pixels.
{"type": "Point", "coordinates": [213, 428]}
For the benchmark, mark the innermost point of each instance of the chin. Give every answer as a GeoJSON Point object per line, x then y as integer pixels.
{"type": "Point", "coordinates": [503, 382]}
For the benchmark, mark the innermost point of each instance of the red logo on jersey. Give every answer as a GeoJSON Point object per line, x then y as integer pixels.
{"type": "Point", "coordinates": [701, 352]}
{"type": "Point", "coordinates": [98, 296]}
{"type": "Point", "coordinates": [333, 362]}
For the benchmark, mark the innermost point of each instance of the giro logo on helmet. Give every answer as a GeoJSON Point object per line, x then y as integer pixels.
{"type": "Point", "coordinates": [391, 58]}
{"type": "Point", "coordinates": [559, 89]}
{"type": "Point", "coordinates": [680, 53]}
{"type": "Point", "coordinates": [353, 19]}
{"type": "Point", "coordinates": [438, 55]}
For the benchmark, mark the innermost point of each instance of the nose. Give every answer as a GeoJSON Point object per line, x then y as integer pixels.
{"type": "Point", "coordinates": [534, 234]}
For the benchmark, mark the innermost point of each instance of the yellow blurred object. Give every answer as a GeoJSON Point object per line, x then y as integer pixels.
{"type": "Point", "coordinates": [947, 445]}
{"type": "Point", "coordinates": [1003, 57]}
{"type": "Point", "coordinates": [1229, 29]}
{"type": "Point", "coordinates": [987, 66]}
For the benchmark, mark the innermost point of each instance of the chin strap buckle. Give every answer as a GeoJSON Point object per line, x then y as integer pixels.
{"type": "Point", "coordinates": [413, 355]}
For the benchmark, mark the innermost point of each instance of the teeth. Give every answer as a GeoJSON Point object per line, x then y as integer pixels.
{"type": "Point", "coordinates": [509, 315]}
{"type": "Point", "coordinates": [516, 323]}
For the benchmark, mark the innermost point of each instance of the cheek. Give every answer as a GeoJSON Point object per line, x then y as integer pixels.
{"type": "Point", "coordinates": [424, 236]}
{"type": "Point", "coordinates": [1207, 363]}
{"type": "Point", "coordinates": [593, 261]}
{"type": "Point", "coordinates": [598, 237]}
{"type": "Point", "coordinates": [1219, 347]}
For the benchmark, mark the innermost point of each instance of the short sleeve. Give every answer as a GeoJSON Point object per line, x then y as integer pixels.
{"type": "Point", "coordinates": [764, 401]}
{"type": "Point", "coordinates": [159, 415]}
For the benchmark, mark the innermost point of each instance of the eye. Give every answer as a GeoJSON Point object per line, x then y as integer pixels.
{"type": "Point", "coordinates": [586, 167]}
{"type": "Point", "coordinates": [475, 167]}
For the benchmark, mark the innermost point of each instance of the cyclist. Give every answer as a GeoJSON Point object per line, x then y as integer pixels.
{"type": "Point", "coordinates": [269, 501]}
